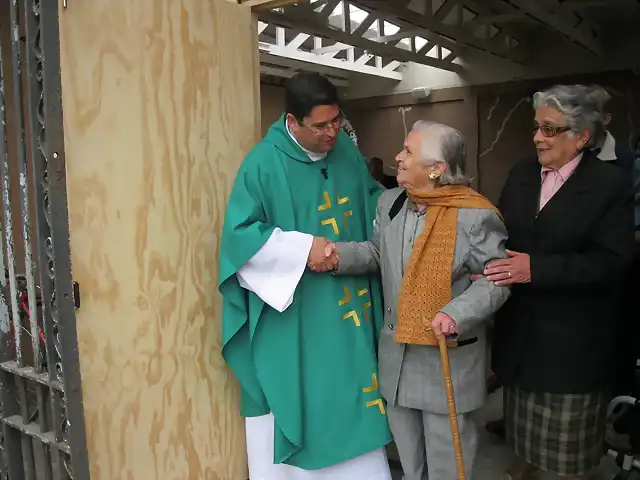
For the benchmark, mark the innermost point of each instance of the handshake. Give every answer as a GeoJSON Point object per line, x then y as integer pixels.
{"type": "Point", "coordinates": [323, 256]}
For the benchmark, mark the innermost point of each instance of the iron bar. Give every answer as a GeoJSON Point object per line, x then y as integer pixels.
{"type": "Point", "coordinates": [42, 417]}
{"type": "Point", "coordinates": [37, 135]}
{"type": "Point", "coordinates": [35, 78]}
{"type": "Point", "coordinates": [32, 430]}
{"type": "Point", "coordinates": [28, 373]}
{"type": "Point", "coordinates": [42, 458]}
{"type": "Point", "coordinates": [63, 309]}
{"type": "Point", "coordinates": [27, 447]}
{"type": "Point", "coordinates": [12, 451]}
{"type": "Point", "coordinates": [43, 232]}
{"type": "Point", "coordinates": [8, 230]}
{"type": "Point", "coordinates": [42, 462]}
{"type": "Point", "coordinates": [24, 185]}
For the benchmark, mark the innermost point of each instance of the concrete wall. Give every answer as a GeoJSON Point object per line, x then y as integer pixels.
{"type": "Point", "coordinates": [495, 119]}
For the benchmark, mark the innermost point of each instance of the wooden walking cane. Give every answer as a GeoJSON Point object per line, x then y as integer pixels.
{"type": "Point", "coordinates": [451, 402]}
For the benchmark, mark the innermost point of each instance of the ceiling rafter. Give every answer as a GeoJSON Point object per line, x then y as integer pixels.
{"type": "Point", "coordinates": [553, 21]}
{"type": "Point", "coordinates": [427, 20]}
{"type": "Point", "coordinates": [286, 67]}
{"type": "Point", "coordinates": [364, 34]}
{"type": "Point", "coordinates": [390, 33]}
{"type": "Point", "coordinates": [444, 10]}
{"type": "Point", "coordinates": [584, 4]}
{"type": "Point", "coordinates": [409, 31]}
{"type": "Point", "coordinates": [494, 19]}
{"type": "Point", "coordinates": [258, 5]}
{"type": "Point", "coordinates": [582, 20]}
{"type": "Point", "coordinates": [481, 9]}
{"type": "Point", "coordinates": [406, 35]}
{"type": "Point", "coordinates": [315, 54]}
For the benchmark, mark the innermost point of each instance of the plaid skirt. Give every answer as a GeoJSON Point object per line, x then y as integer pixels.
{"type": "Point", "coordinates": [561, 434]}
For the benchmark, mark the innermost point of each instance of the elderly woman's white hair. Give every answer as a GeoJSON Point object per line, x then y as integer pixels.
{"type": "Point", "coordinates": [443, 144]}
{"type": "Point", "coordinates": [582, 105]}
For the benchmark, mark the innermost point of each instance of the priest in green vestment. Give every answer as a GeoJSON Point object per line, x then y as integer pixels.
{"type": "Point", "coordinates": [303, 344]}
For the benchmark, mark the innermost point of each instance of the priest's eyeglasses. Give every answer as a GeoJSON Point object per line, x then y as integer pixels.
{"type": "Point", "coordinates": [549, 131]}
{"type": "Point", "coordinates": [324, 127]}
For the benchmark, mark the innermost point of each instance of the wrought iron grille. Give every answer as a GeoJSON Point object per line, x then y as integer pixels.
{"type": "Point", "coordinates": [42, 420]}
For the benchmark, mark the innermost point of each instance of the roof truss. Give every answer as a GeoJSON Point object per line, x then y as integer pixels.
{"type": "Point", "coordinates": [297, 51]}
{"type": "Point", "coordinates": [564, 20]}
{"type": "Point", "coordinates": [454, 21]}
{"type": "Point", "coordinates": [360, 38]}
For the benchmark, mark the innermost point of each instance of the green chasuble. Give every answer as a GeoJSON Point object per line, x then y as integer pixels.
{"type": "Point", "coordinates": [314, 366]}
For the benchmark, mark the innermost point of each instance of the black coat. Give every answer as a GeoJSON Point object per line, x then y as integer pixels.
{"type": "Point", "coordinates": [389, 182]}
{"type": "Point", "coordinates": [557, 333]}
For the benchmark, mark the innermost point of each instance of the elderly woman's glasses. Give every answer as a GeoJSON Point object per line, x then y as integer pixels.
{"type": "Point", "coordinates": [549, 130]}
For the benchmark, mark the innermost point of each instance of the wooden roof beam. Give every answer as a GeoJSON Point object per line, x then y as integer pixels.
{"type": "Point", "coordinates": [260, 5]}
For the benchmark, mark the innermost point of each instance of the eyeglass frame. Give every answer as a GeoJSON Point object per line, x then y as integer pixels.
{"type": "Point", "coordinates": [333, 124]}
{"type": "Point", "coordinates": [552, 131]}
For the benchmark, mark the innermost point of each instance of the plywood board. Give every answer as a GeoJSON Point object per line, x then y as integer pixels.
{"type": "Point", "coordinates": [161, 103]}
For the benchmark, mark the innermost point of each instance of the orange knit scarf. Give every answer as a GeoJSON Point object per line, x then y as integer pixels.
{"type": "Point", "coordinates": [426, 285]}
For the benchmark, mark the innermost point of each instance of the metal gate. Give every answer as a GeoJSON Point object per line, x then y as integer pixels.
{"type": "Point", "coordinates": [42, 420]}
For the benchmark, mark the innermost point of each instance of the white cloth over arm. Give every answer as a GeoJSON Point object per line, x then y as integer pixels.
{"type": "Point", "coordinates": [274, 272]}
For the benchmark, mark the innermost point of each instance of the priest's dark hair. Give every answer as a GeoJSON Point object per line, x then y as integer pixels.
{"type": "Point", "coordinates": [306, 90]}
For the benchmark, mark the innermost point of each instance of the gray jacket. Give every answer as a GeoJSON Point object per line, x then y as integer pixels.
{"type": "Point", "coordinates": [411, 375]}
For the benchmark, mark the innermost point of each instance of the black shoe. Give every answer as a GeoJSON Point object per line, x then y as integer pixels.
{"type": "Point", "coordinates": [496, 427]}
{"type": "Point", "coordinates": [628, 425]}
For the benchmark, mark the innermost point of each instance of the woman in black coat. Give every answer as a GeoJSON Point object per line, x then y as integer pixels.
{"type": "Point", "coordinates": [570, 222]}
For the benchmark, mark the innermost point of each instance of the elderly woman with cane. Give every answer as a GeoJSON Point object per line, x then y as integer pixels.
{"type": "Point", "coordinates": [570, 222]}
{"type": "Point", "coordinates": [430, 235]}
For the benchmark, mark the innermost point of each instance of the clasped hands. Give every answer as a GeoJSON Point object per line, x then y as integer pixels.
{"type": "Point", "coordinates": [323, 256]}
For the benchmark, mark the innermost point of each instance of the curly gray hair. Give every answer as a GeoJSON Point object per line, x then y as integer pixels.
{"type": "Point", "coordinates": [448, 147]}
{"type": "Point", "coordinates": [582, 105]}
